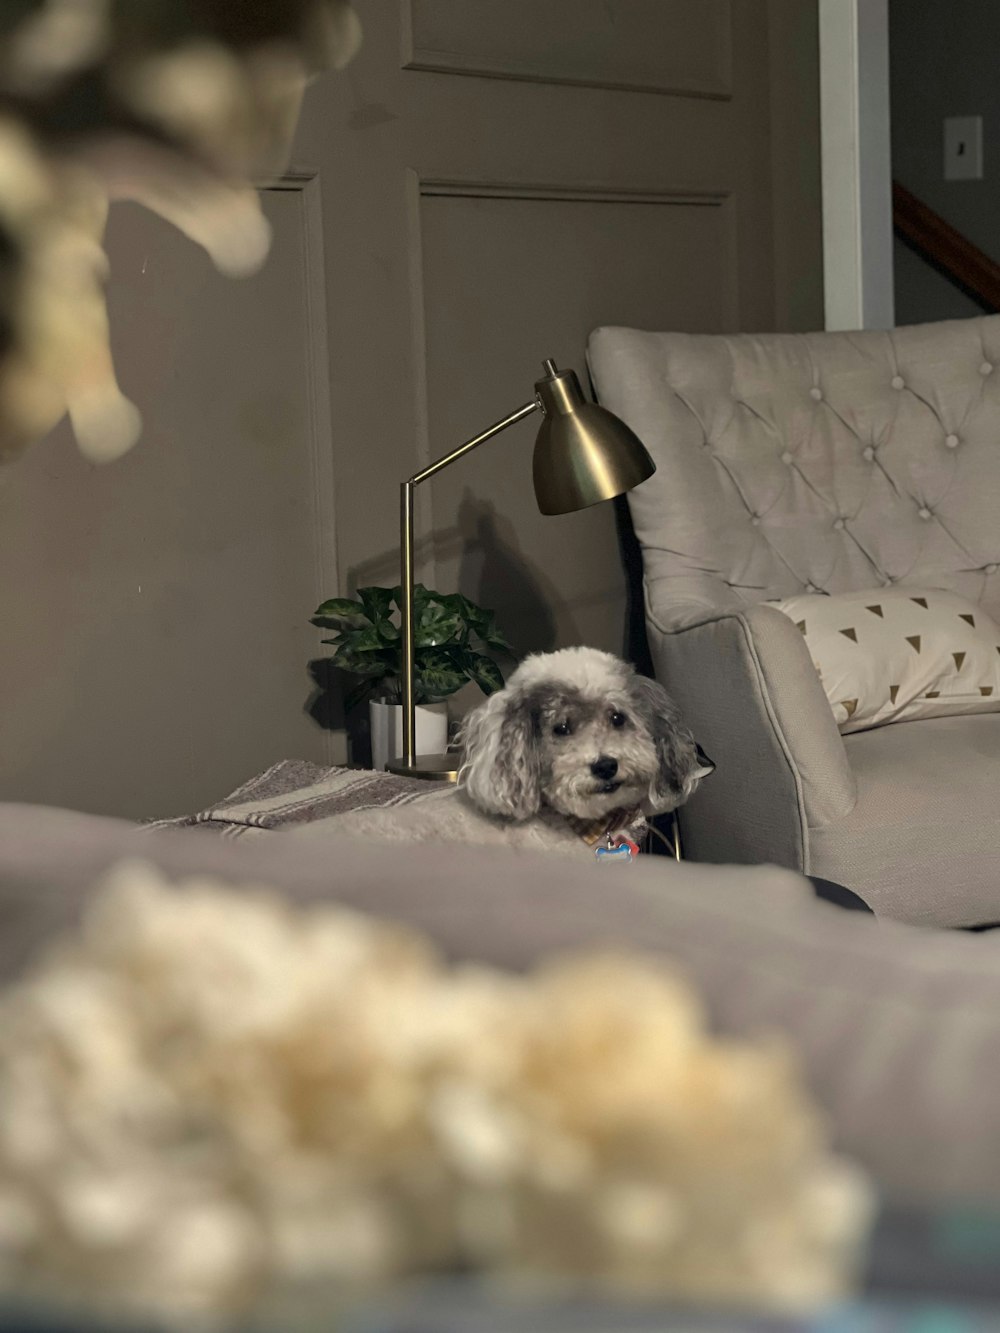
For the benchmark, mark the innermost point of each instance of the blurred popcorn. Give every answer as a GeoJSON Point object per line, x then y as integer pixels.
{"type": "Point", "coordinates": [177, 107]}
{"type": "Point", "coordinates": [210, 1100]}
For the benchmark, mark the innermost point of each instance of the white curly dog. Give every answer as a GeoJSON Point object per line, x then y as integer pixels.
{"type": "Point", "coordinates": [576, 751]}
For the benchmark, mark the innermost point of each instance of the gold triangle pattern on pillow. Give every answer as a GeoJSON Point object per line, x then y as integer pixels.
{"type": "Point", "coordinates": [896, 654]}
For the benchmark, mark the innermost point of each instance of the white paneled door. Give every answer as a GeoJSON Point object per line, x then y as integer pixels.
{"type": "Point", "coordinates": [504, 175]}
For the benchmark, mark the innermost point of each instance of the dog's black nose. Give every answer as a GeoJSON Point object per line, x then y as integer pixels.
{"type": "Point", "coordinates": [604, 768]}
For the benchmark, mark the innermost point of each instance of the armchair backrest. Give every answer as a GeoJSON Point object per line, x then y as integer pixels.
{"type": "Point", "coordinates": [816, 462]}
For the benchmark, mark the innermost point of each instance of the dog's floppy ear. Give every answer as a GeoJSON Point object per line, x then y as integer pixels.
{"type": "Point", "coordinates": [499, 770]}
{"type": "Point", "coordinates": [682, 762]}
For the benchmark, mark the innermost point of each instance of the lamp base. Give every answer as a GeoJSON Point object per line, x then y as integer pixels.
{"type": "Point", "coordinates": [431, 767]}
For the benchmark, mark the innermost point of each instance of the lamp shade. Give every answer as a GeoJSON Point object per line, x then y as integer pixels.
{"type": "Point", "coordinates": [583, 453]}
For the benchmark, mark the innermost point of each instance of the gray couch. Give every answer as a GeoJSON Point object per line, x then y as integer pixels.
{"type": "Point", "coordinates": [898, 1028]}
{"type": "Point", "coordinates": [819, 463]}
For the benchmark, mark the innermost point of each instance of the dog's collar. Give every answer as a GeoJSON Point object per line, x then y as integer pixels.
{"type": "Point", "coordinates": [593, 831]}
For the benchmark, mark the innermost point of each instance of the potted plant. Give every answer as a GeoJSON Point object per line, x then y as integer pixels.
{"type": "Point", "coordinates": [453, 639]}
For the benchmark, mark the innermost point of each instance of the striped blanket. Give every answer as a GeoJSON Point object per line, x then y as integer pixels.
{"type": "Point", "coordinates": [294, 792]}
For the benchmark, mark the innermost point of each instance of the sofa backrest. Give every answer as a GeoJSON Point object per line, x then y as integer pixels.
{"type": "Point", "coordinates": [816, 462]}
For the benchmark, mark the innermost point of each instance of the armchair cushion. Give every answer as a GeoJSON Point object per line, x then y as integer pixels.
{"type": "Point", "coordinates": [896, 654]}
{"type": "Point", "coordinates": [921, 843]}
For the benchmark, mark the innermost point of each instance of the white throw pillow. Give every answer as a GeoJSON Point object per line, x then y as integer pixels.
{"type": "Point", "coordinates": [893, 654]}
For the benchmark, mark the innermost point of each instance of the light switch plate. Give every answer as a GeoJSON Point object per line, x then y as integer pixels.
{"type": "Point", "coordinates": [963, 148]}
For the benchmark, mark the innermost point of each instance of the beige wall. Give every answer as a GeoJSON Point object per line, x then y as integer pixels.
{"type": "Point", "coordinates": [153, 635]}
{"type": "Point", "coordinates": [480, 196]}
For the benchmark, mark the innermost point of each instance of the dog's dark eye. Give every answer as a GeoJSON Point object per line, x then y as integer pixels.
{"type": "Point", "coordinates": [618, 719]}
{"type": "Point", "coordinates": [561, 729]}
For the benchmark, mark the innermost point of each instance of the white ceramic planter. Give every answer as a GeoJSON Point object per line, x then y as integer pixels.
{"type": "Point", "coordinates": [387, 731]}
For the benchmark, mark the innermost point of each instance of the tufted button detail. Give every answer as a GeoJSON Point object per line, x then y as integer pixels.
{"type": "Point", "coordinates": [839, 525]}
{"type": "Point", "coordinates": [990, 569]}
{"type": "Point", "coordinates": [755, 520]}
{"type": "Point", "coordinates": [898, 382]}
{"type": "Point", "coordinates": [951, 441]}
{"type": "Point", "coordinates": [986, 368]}
{"type": "Point", "coordinates": [924, 512]}
{"type": "Point", "coordinates": [786, 457]}
{"type": "Point", "coordinates": [869, 454]}
{"type": "Point", "coordinates": [888, 581]}
{"type": "Point", "coordinates": [815, 393]}
{"type": "Point", "coordinates": [811, 587]}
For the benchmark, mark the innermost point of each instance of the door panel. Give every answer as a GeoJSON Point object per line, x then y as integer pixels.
{"type": "Point", "coordinates": [664, 46]}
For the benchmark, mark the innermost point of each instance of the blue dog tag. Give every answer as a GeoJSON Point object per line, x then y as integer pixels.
{"type": "Point", "coordinates": [620, 855]}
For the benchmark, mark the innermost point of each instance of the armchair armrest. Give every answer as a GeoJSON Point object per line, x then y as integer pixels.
{"type": "Point", "coordinates": [745, 684]}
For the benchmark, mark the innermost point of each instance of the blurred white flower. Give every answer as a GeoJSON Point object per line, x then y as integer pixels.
{"type": "Point", "coordinates": [178, 109]}
{"type": "Point", "coordinates": [209, 1098]}
{"type": "Point", "coordinates": [54, 353]}
{"type": "Point", "coordinates": [58, 38]}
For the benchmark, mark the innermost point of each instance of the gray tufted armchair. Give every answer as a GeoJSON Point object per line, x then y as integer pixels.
{"type": "Point", "coordinates": [819, 463]}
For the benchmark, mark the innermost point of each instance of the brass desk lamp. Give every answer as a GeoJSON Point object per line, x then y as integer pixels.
{"type": "Point", "coordinates": [583, 454]}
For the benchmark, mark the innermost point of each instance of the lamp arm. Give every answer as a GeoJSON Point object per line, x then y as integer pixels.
{"type": "Point", "coordinates": [406, 571]}
{"type": "Point", "coordinates": [476, 441]}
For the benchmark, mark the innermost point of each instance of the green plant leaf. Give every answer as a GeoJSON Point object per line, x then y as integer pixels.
{"type": "Point", "coordinates": [364, 663]}
{"type": "Point", "coordinates": [437, 676]}
{"type": "Point", "coordinates": [474, 615]}
{"type": "Point", "coordinates": [436, 625]}
{"type": "Point", "coordinates": [420, 596]}
{"type": "Point", "coordinates": [486, 631]}
{"type": "Point", "coordinates": [367, 640]}
{"type": "Point", "coordinates": [377, 602]}
{"type": "Point", "coordinates": [494, 639]}
{"type": "Point", "coordinates": [485, 672]}
{"type": "Point", "coordinates": [341, 608]}
{"type": "Point", "coordinates": [373, 671]}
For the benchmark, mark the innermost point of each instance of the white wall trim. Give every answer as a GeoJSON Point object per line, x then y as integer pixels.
{"type": "Point", "coordinates": [306, 183]}
{"type": "Point", "coordinates": [857, 164]}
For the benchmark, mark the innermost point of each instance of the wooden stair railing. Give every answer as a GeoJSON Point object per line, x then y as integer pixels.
{"type": "Point", "coordinates": [945, 249]}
